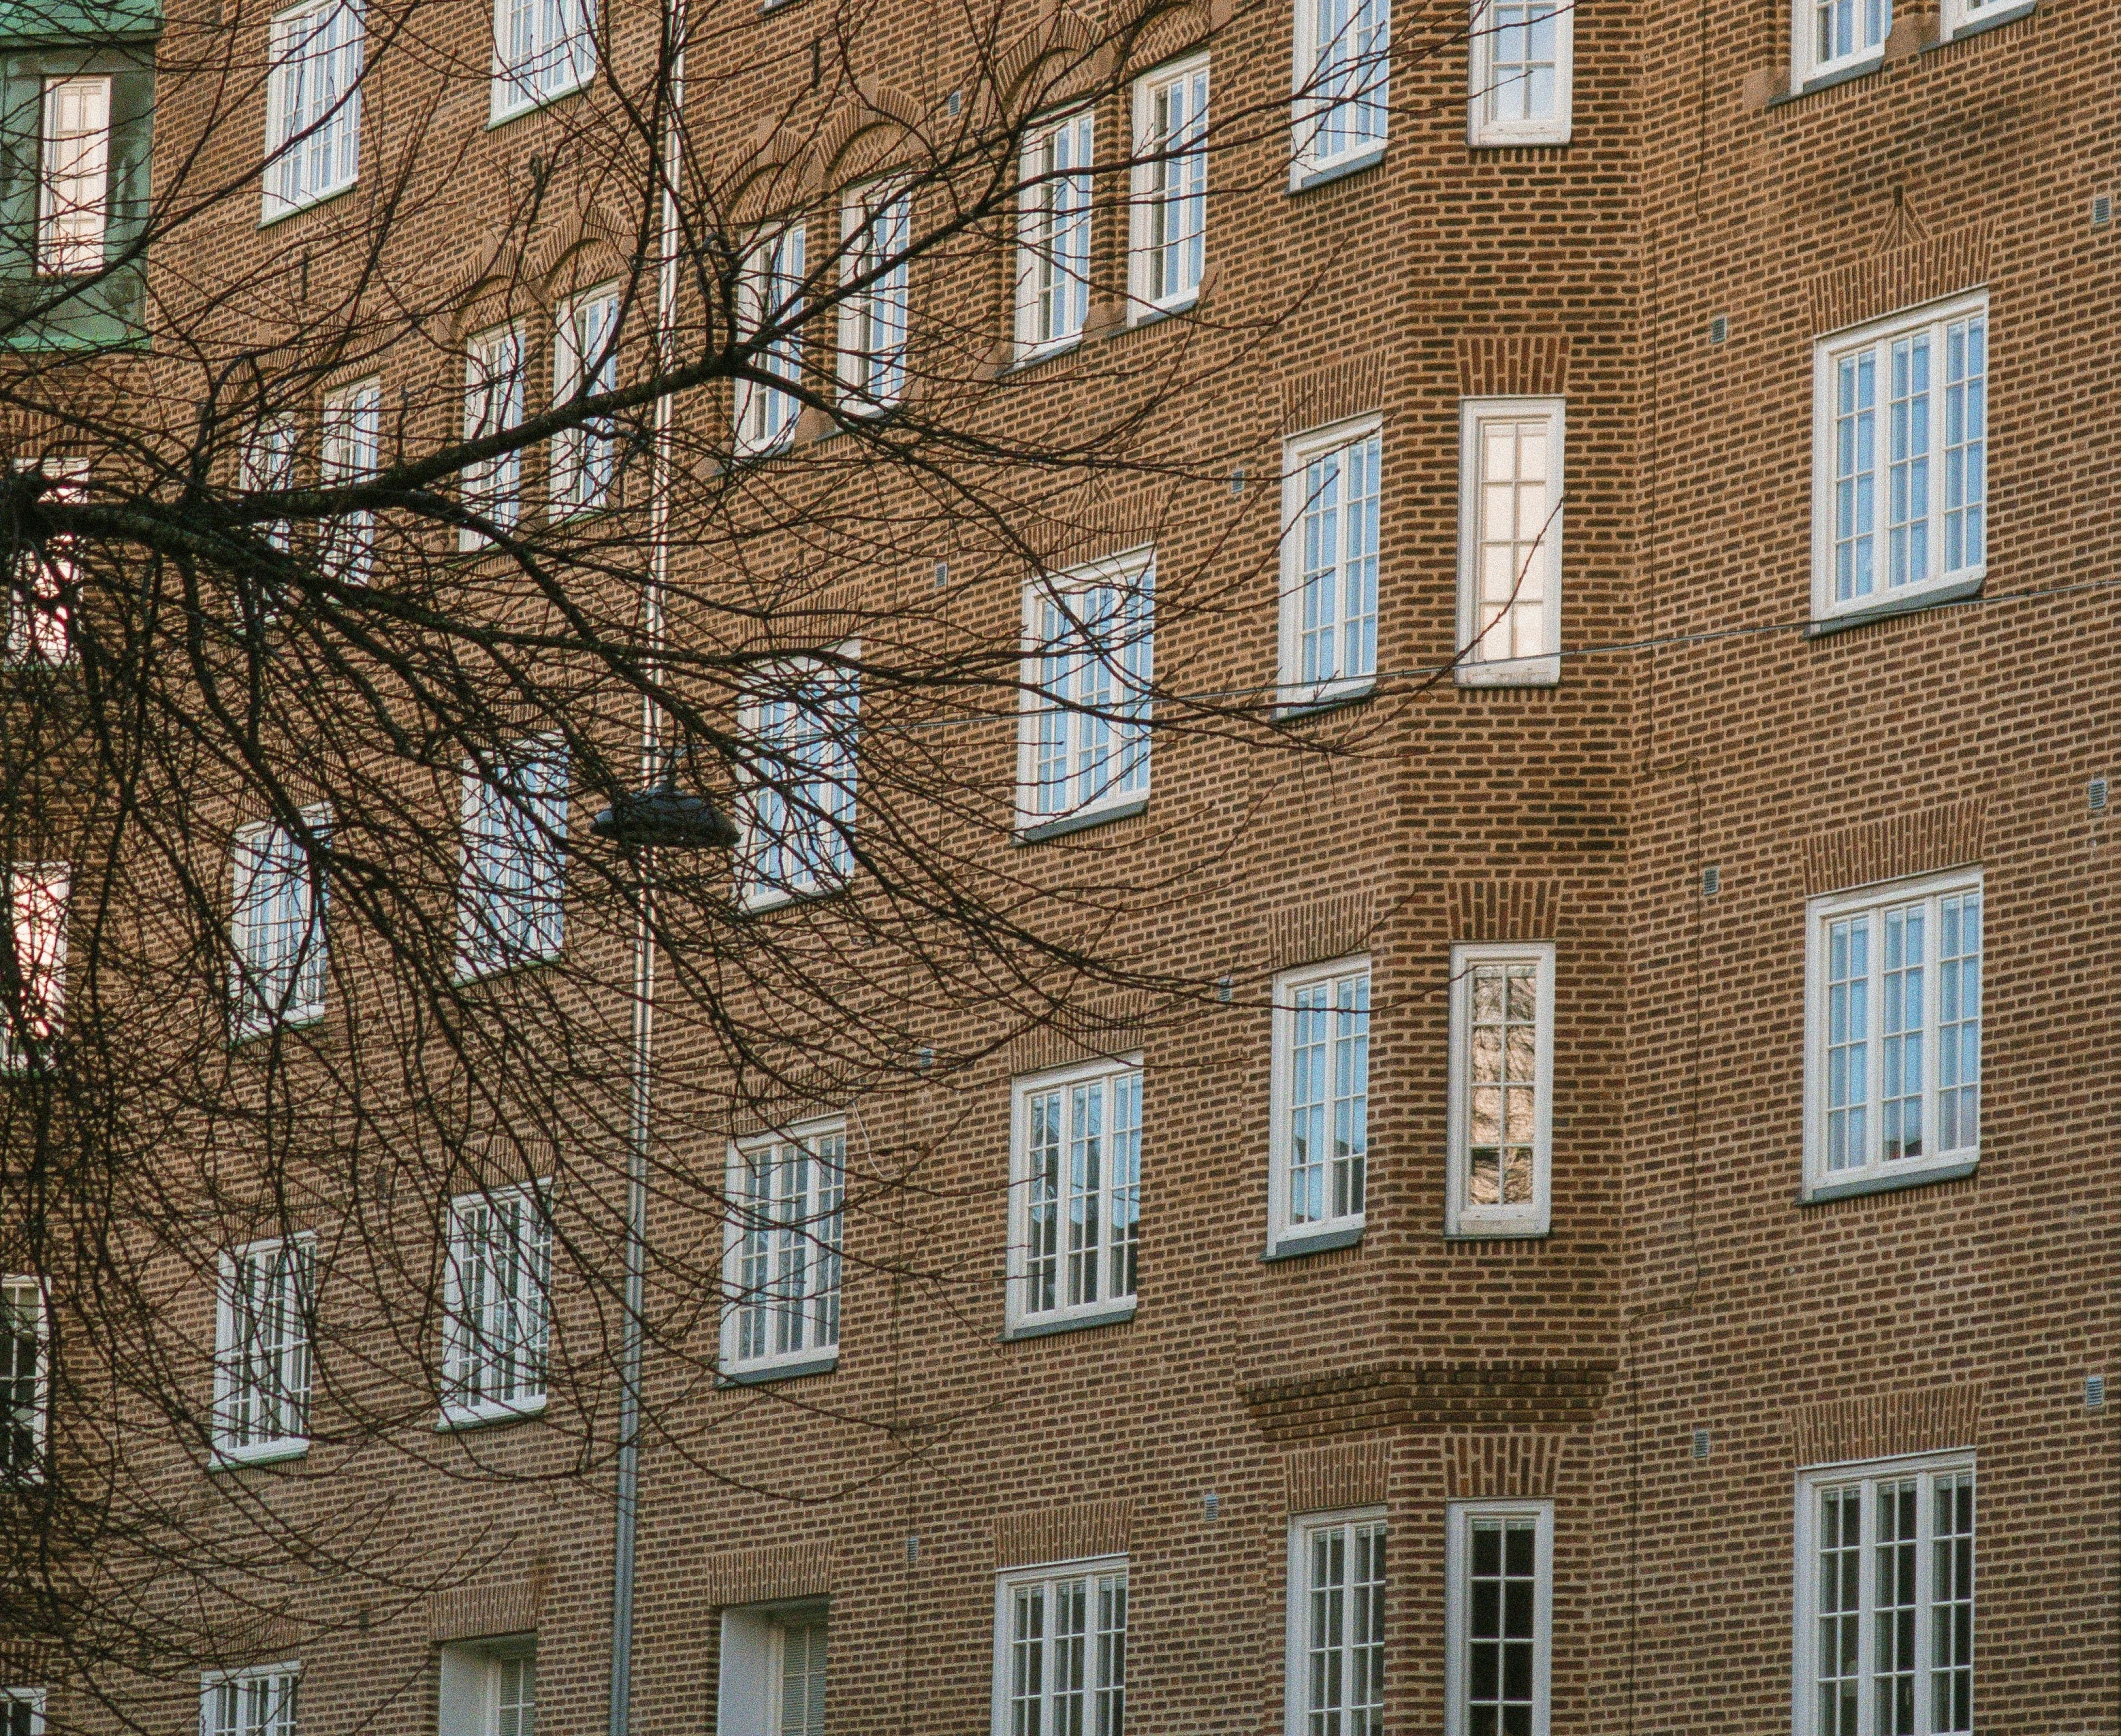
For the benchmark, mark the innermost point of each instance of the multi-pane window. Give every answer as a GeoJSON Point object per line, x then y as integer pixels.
{"type": "Point", "coordinates": [1501, 1080]}
{"type": "Point", "coordinates": [1893, 1050]}
{"type": "Point", "coordinates": [1320, 1138]}
{"type": "Point", "coordinates": [515, 1695]}
{"type": "Point", "coordinates": [1053, 234]}
{"type": "Point", "coordinates": [585, 363]}
{"type": "Point", "coordinates": [1836, 36]}
{"type": "Point", "coordinates": [876, 226]}
{"type": "Point", "coordinates": [541, 49]}
{"type": "Point", "coordinates": [1885, 1598]}
{"type": "Point", "coordinates": [1901, 460]}
{"type": "Point", "coordinates": [353, 452]}
{"type": "Point", "coordinates": [24, 1377]}
{"type": "Point", "coordinates": [493, 404]}
{"type": "Point", "coordinates": [265, 464]}
{"type": "Point", "coordinates": [1060, 1665]}
{"type": "Point", "coordinates": [1076, 1200]}
{"type": "Point", "coordinates": [769, 309]}
{"type": "Point", "coordinates": [1343, 86]}
{"type": "Point", "coordinates": [262, 1349]}
{"type": "Point", "coordinates": [797, 802]}
{"type": "Point", "coordinates": [496, 1284]}
{"type": "Point", "coordinates": [313, 103]}
{"type": "Point", "coordinates": [1330, 494]}
{"type": "Point", "coordinates": [73, 185]}
{"type": "Point", "coordinates": [1083, 744]}
{"type": "Point", "coordinates": [509, 899]}
{"type": "Point", "coordinates": [47, 578]}
{"type": "Point", "coordinates": [1336, 1633]}
{"type": "Point", "coordinates": [33, 966]}
{"type": "Point", "coordinates": [1498, 1602]}
{"type": "Point", "coordinates": [276, 932]}
{"type": "Point", "coordinates": [21, 1712]}
{"type": "Point", "coordinates": [250, 1702]}
{"type": "Point", "coordinates": [1522, 53]}
{"type": "Point", "coordinates": [782, 1267]}
{"type": "Point", "coordinates": [1169, 213]}
{"type": "Point", "coordinates": [489, 1688]}
{"type": "Point", "coordinates": [773, 1671]}
{"type": "Point", "coordinates": [1509, 556]}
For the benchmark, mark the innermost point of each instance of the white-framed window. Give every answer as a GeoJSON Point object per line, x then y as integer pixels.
{"type": "Point", "coordinates": [1343, 87]}
{"type": "Point", "coordinates": [496, 1302]}
{"type": "Point", "coordinates": [73, 183]}
{"type": "Point", "coordinates": [1893, 1031]}
{"type": "Point", "coordinates": [541, 49]}
{"type": "Point", "coordinates": [25, 1378]}
{"type": "Point", "coordinates": [1168, 215]}
{"type": "Point", "coordinates": [276, 930]}
{"type": "Point", "coordinates": [1509, 541]}
{"type": "Point", "coordinates": [1499, 1615]}
{"type": "Point", "coordinates": [781, 1261]}
{"type": "Point", "coordinates": [35, 962]}
{"type": "Point", "coordinates": [796, 808]}
{"type": "Point", "coordinates": [1885, 1598]}
{"type": "Point", "coordinates": [23, 1711]}
{"type": "Point", "coordinates": [489, 1688]}
{"type": "Point", "coordinates": [352, 452]}
{"type": "Point", "coordinates": [1501, 1089]}
{"type": "Point", "coordinates": [265, 464]}
{"type": "Point", "coordinates": [1335, 1658]}
{"type": "Point", "coordinates": [1900, 460]}
{"type": "Point", "coordinates": [773, 1670]}
{"type": "Point", "coordinates": [1831, 37]}
{"type": "Point", "coordinates": [769, 299]}
{"type": "Point", "coordinates": [1523, 69]}
{"type": "Point", "coordinates": [876, 227]}
{"type": "Point", "coordinates": [255, 1702]}
{"type": "Point", "coordinates": [1319, 1154]}
{"type": "Point", "coordinates": [46, 580]}
{"type": "Point", "coordinates": [262, 1349]}
{"type": "Point", "coordinates": [585, 362]}
{"type": "Point", "coordinates": [493, 404]}
{"type": "Point", "coordinates": [1060, 1649]}
{"type": "Point", "coordinates": [1083, 739]}
{"type": "Point", "coordinates": [1330, 495]}
{"type": "Point", "coordinates": [1053, 234]}
{"type": "Point", "coordinates": [1964, 17]}
{"type": "Point", "coordinates": [510, 908]}
{"type": "Point", "coordinates": [313, 103]}
{"type": "Point", "coordinates": [1075, 1195]}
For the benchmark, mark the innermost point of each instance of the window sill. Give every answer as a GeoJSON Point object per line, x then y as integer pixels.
{"type": "Point", "coordinates": [1501, 139]}
{"type": "Point", "coordinates": [271, 218]}
{"type": "Point", "coordinates": [784, 898]}
{"type": "Point", "coordinates": [455, 1418]}
{"type": "Point", "coordinates": [269, 1453]}
{"type": "Point", "coordinates": [1889, 1181]}
{"type": "Point", "coordinates": [1303, 178]}
{"type": "Point", "coordinates": [1910, 603]}
{"type": "Point", "coordinates": [794, 1369]}
{"type": "Point", "coordinates": [1082, 822]}
{"type": "Point", "coordinates": [1976, 26]}
{"type": "Point", "coordinates": [1025, 360]}
{"type": "Point", "coordinates": [1143, 314]}
{"type": "Point", "coordinates": [290, 1024]}
{"type": "Point", "coordinates": [1331, 696]}
{"type": "Point", "coordinates": [1465, 1227]}
{"type": "Point", "coordinates": [1116, 1315]}
{"type": "Point", "coordinates": [1863, 68]}
{"type": "Point", "coordinates": [1296, 1247]}
{"type": "Point", "coordinates": [466, 974]}
{"type": "Point", "coordinates": [501, 117]}
{"type": "Point", "coordinates": [1509, 672]}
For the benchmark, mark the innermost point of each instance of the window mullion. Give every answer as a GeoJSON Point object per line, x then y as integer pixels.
{"type": "Point", "coordinates": [1866, 1612]}
{"type": "Point", "coordinates": [1925, 1589]}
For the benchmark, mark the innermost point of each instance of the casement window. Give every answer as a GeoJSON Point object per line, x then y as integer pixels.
{"type": "Point", "coordinates": [1893, 1034]}
{"type": "Point", "coordinates": [496, 1288]}
{"type": "Point", "coordinates": [259, 1702]}
{"type": "Point", "coordinates": [585, 363]}
{"type": "Point", "coordinates": [773, 1670]}
{"type": "Point", "coordinates": [276, 935]}
{"type": "Point", "coordinates": [876, 227]}
{"type": "Point", "coordinates": [1336, 1634]}
{"type": "Point", "coordinates": [1168, 216]}
{"type": "Point", "coordinates": [73, 186]}
{"type": "Point", "coordinates": [1343, 87]}
{"type": "Point", "coordinates": [21, 1712]}
{"type": "Point", "coordinates": [25, 1378]}
{"type": "Point", "coordinates": [796, 802]}
{"type": "Point", "coordinates": [33, 966]}
{"type": "Point", "coordinates": [541, 49]}
{"type": "Point", "coordinates": [1330, 493]}
{"type": "Point", "coordinates": [47, 579]}
{"type": "Point", "coordinates": [1502, 1086]}
{"type": "Point", "coordinates": [1965, 17]}
{"type": "Point", "coordinates": [1060, 1650]}
{"type": "Point", "coordinates": [1320, 1136]}
{"type": "Point", "coordinates": [353, 452]}
{"type": "Point", "coordinates": [265, 464]}
{"type": "Point", "coordinates": [1083, 742]}
{"type": "Point", "coordinates": [1509, 542]}
{"type": "Point", "coordinates": [493, 404]}
{"type": "Point", "coordinates": [1053, 235]}
{"type": "Point", "coordinates": [1885, 1598]}
{"type": "Point", "coordinates": [1075, 1196]}
{"type": "Point", "coordinates": [313, 104]}
{"type": "Point", "coordinates": [489, 1688]}
{"type": "Point", "coordinates": [262, 1349]}
{"type": "Point", "coordinates": [509, 899]}
{"type": "Point", "coordinates": [1831, 38]}
{"type": "Point", "coordinates": [769, 297]}
{"type": "Point", "coordinates": [781, 1263]}
{"type": "Point", "coordinates": [1522, 54]}
{"type": "Point", "coordinates": [1499, 1611]}
{"type": "Point", "coordinates": [1900, 461]}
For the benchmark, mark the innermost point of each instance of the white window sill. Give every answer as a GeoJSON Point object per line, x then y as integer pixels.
{"type": "Point", "coordinates": [1036, 353]}
{"type": "Point", "coordinates": [1908, 601]}
{"type": "Point", "coordinates": [1031, 830]}
{"type": "Point", "coordinates": [467, 973]}
{"type": "Point", "coordinates": [757, 452]}
{"type": "Point", "coordinates": [1051, 1325]}
{"type": "Point", "coordinates": [1509, 672]}
{"type": "Point", "coordinates": [1884, 1178]}
{"type": "Point", "coordinates": [1302, 701]}
{"type": "Point", "coordinates": [1551, 135]}
{"type": "Point", "coordinates": [1149, 313]}
{"type": "Point", "coordinates": [1476, 1225]}
{"type": "Point", "coordinates": [498, 116]}
{"type": "Point", "coordinates": [1295, 1244]}
{"type": "Point", "coordinates": [274, 212]}
{"type": "Point", "coordinates": [1987, 21]}
{"type": "Point", "coordinates": [264, 1453]}
{"type": "Point", "coordinates": [467, 1416]}
{"type": "Point", "coordinates": [1825, 78]}
{"type": "Point", "coordinates": [758, 901]}
{"type": "Point", "coordinates": [1303, 175]}
{"type": "Point", "coordinates": [761, 1373]}
{"type": "Point", "coordinates": [295, 1019]}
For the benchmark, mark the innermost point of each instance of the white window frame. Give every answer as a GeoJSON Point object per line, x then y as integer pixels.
{"type": "Point", "coordinates": [751, 1691]}
{"type": "Point", "coordinates": [313, 104]}
{"type": "Point", "coordinates": [1116, 1199]}
{"type": "Point", "coordinates": [1486, 125]}
{"type": "Point", "coordinates": [39, 625]}
{"type": "Point", "coordinates": [1969, 17]}
{"type": "Point", "coordinates": [1102, 734]}
{"type": "Point", "coordinates": [14, 1288]}
{"type": "Point", "coordinates": [769, 292]}
{"type": "Point", "coordinates": [33, 1698]}
{"type": "Point", "coordinates": [1533, 1217]}
{"type": "Point", "coordinates": [1055, 204]}
{"type": "Point", "coordinates": [265, 464]}
{"type": "Point", "coordinates": [585, 359]}
{"type": "Point", "coordinates": [1362, 439]}
{"type": "Point", "coordinates": [468, 1702]}
{"type": "Point", "coordinates": [1286, 1234]}
{"type": "Point", "coordinates": [813, 1237]}
{"type": "Point", "coordinates": [278, 1686]}
{"type": "Point", "coordinates": [495, 373]}
{"type": "Point", "coordinates": [73, 184]}
{"type": "Point", "coordinates": [1338, 122]}
{"type": "Point", "coordinates": [542, 51]}
{"type": "Point", "coordinates": [476, 1356]}
{"type": "Point", "coordinates": [1096, 1657]}
{"type": "Point", "coordinates": [1925, 1470]}
{"type": "Point", "coordinates": [1876, 340]}
{"type": "Point", "coordinates": [263, 1351]}
{"type": "Point", "coordinates": [32, 890]}
{"type": "Point", "coordinates": [277, 887]}
{"type": "Point", "coordinates": [512, 881]}
{"type": "Point", "coordinates": [352, 451]}
{"type": "Point", "coordinates": [1170, 175]}
{"type": "Point", "coordinates": [1296, 1674]}
{"type": "Point", "coordinates": [796, 816]}
{"type": "Point", "coordinates": [1489, 662]}
{"type": "Point", "coordinates": [1821, 914]}
{"type": "Point", "coordinates": [1460, 1517]}
{"type": "Point", "coordinates": [876, 228]}
{"type": "Point", "coordinates": [1809, 66]}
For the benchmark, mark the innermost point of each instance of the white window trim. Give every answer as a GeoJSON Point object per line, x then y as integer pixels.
{"type": "Point", "coordinates": [56, 247]}
{"type": "Point", "coordinates": [865, 213]}
{"type": "Point", "coordinates": [754, 892]}
{"type": "Point", "coordinates": [512, 96]}
{"type": "Point", "coordinates": [1296, 1643]}
{"type": "Point", "coordinates": [31, 1697]}
{"type": "Point", "coordinates": [1141, 107]}
{"type": "Point", "coordinates": [1470, 669]}
{"type": "Point", "coordinates": [226, 1452]}
{"type": "Point", "coordinates": [1022, 1321]}
{"type": "Point", "coordinates": [454, 1413]}
{"type": "Point", "coordinates": [772, 252]}
{"type": "Point", "coordinates": [209, 1680]}
{"type": "Point", "coordinates": [55, 880]}
{"type": "Point", "coordinates": [280, 146]}
{"type": "Point", "coordinates": [1971, 17]}
{"type": "Point", "coordinates": [1458, 1561]}
{"type": "Point", "coordinates": [1462, 1217]}
{"type": "Point", "coordinates": [751, 1680]}
{"type": "Point", "coordinates": [510, 952]}
{"type": "Point", "coordinates": [1029, 245]}
{"type": "Point", "coordinates": [249, 1019]}
{"type": "Point", "coordinates": [1332, 1232]}
{"type": "Point", "coordinates": [1819, 912]}
{"type": "Point", "coordinates": [781, 1365]}
{"type": "Point", "coordinates": [40, 1417]}
{"type": "Point", "coordinates": [487, 496]}
{"type": "Point", "coordinates": [1032, 1573]}
{"type": "Point", "coordinates": [1308, 111]}
{"type": "Point", "coordinates": [1555, 129]}
{"type": "Point", "coordinates": [1807, 72]}
{"type": "Point", "coordinates": [588, 452]}
{"type": "Point", "coordinates": [1298, 451]}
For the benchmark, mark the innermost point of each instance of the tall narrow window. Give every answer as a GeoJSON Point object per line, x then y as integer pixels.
{"type": "Point", "coordinates": [1343, 86]}
{"type": "Point", "coordinates": [25, 1376]}
{"type": "Point", "coordinates": [1170, 204]}
{"type": "Point", "coordinates": [1832, 37]}
{"type": "Point", "coordinates": [1502, 1081]}
{"type": "Point", "coordinates": [265, 464]}
{"type": "Point", "coordinates": [1083, 743]}
{"type": "Point", "coordinates": [585, 363]}
{"type": "Point", "coordinates": [277, 932]}
{"type": "Point", "coordinates": [46, 579]}
{"type": "Point", "coordinates": [1075, 1207]}
{"type": "Point", "coordinates": [73, 188]}
{"type": "Point", "coordinates": [489, 1688]}
{"type": "Point", "coordinates": [34, 975]}
{"type": "Point", "coordinates": [1330, 497]}
{"type": "Point", "coordinates": [1509, 552]}
{"type": "Point", "coordinates": [782, 1264]}
{"type": "Point", "coordinates": [797, 803]}
{"type": "Point", "coordinates": [21, 1711]}
{"type": "Point", "coordinates": [262, 1349]}
{"type": "Point", "coordinates": [1053, 235]}
{"type": "Point", "coordinates": [313, 103]}
{"type": "Point", "coordinates": [876, 226]}
{"type": "Point", "coordinates": [353, 452]}
{"type": "Point", "coordinates": [496, 1284]}
{"type": "Point", "coordinates": [773, 1671]}
{"type": "Point", "coordinates": [769, 295]}
{"type": "Point", "coordinates": [493, 404]}
{"type": "Point", "coordinates": [1060, 1652]}
{"type": "Point", "coordinates": [1523, 70]}
{"type": "Point", "coordinates": [250, 1702]}
{"type": "Point", "coordinates": [509, 904]}
{"type": "Point", "coordinates": [1499, 1606]}
{"type": "Point", "coordinates": [1336, 1635]}
{"type": "Point", "coordinates": [541, 49]}
{"type": "Point", "coordinates": [1320, 1138]}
